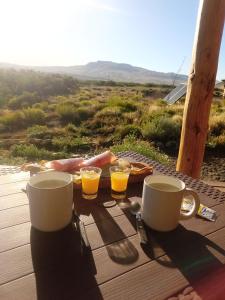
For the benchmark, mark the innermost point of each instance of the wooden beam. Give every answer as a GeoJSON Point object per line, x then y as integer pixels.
{"type": "Point", "coordinates": [201, 84]}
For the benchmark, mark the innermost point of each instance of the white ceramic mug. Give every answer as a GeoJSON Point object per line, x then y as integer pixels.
{"type": "Point", "coordinates": [161, 204]}
{"type": "Point", "coordinates": [50, 205]}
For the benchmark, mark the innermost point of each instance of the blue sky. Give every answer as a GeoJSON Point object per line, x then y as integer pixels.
{"type": "Point", "coordinates": [154, 34]}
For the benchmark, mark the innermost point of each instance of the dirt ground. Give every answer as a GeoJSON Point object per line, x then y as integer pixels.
{"type": "Point", "coordinates": [213, 168]}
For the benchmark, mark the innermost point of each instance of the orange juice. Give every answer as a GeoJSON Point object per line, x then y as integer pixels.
{"type": "Point", "coordinates": [119, 181]}
{"type": "Point", "coordinates": [90, 182]}
{"type": "Point", "coordinates": [90, 177]}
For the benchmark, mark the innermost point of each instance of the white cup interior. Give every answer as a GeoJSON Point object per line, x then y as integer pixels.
{"type": "Point", "coordinates": [54, 175]}
{"type": "Point", "coordinates": [164, 179]}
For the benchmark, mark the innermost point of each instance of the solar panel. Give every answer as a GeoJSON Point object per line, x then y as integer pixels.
{"type": "Point", "coordinates": [176, 94]}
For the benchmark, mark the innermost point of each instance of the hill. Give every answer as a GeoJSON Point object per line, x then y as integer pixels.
{"type": "Point", "coordinates": [107, 70]}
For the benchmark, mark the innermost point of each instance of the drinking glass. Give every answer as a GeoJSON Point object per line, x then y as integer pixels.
{"type": "Point", "coordinates": [90, 177]}
{"type": "Point", "coordinates": [119, 179]}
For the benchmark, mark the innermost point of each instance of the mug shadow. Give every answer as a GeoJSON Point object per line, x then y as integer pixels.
{"type": "Point", "coordinates": [188, 251]}
{"type": "Point", "coordinates": [119, 248]}
{"type": "Point", "coordinates": [61, 269]}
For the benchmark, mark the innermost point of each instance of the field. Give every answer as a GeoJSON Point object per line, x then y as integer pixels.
{"type": "Point", "coordinates": [49, 117]}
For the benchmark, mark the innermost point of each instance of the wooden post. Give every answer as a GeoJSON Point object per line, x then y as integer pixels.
{"type": "Point", "coordinates": [201, 83]}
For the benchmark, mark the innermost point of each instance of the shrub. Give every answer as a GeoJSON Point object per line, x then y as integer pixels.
{"type": "Point", "coordinates": [12, 120]}
{"type": "Point", "coordinates": [109, 112]}
{"type": "Point", "coordinates": [130, 130]}
{"type": "Point", "coordinates": [217, 125]}
{"type": "Point", "coordinates": [69, 143]}
{"type": "Point", "coordinates": [24, 100]}
{"type": "Point", "coordinates": [68, 113]}
{"type": "Point", "coordinates": [34, 116]}
{"type": "Point", "coordinates": [85, 113]}
{"type": "Point", "coordinates": [42, 105]}
{"type": "Point", "coordinates": [71, 128]}
{"type": "Point", "coordinates": [124, 105]}
{"type": "Point", "coordinates": [162, 130]}
{"type": "Point", "coordinates": [131, 143]}
{"type": "Point", "coordinates": [38, 131]}
{"type": "Point", "coordinates": [31, 152]}
{"type": "Point", "coordinates": [147, 93]}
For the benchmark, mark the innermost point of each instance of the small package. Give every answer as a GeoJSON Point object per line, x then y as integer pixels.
{"type": "Point", "coordinates": [207, 213]}
{"type": "Point", "coordinates": [203, 211]}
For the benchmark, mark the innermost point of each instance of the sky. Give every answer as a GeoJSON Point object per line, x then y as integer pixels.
{"type": "Point", "coordinates": [154, 34]}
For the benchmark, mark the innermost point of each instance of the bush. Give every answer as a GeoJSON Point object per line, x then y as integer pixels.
{"type": "Point", "coordinates": [12, 120]}
{"type": "Point", "coordinates": [32, 152]}
{"type": "Point", "coordinates": [147, 93]}
{"type": "Point", "coordinates": [130, 130]}
{"type": "Point", "coordinates": [163, 130]}
{"type": "Point", "coordinates": [34, 116]}
{"type": "Point", "coordinates": [24, 100]}
{"type": "Point", "coordinates": [38, 131]}
{"type": "Point", "coordinates": [124, 105]}
{"type": "Point", "coordinates": [217, 125]}
{"type": "Point", "coordinates": [85, 113]}
{"type": "Point", "coordinates": [70, 144]}
{"type": "Point", "coordinates": [44, 105]}
{"type": "Point", "coordinates": [68, 113]}
{"type": "Point", "coordinates": [71, 128]}
{"type": "Point", "coordinates": [131, 143]}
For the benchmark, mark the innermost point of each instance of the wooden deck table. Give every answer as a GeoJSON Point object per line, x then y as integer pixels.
{"type": "Point", "coordinates": [187, 261]}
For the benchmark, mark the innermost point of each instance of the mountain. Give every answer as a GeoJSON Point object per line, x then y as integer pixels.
{"type": "Point", "coordinates": [107, 70]}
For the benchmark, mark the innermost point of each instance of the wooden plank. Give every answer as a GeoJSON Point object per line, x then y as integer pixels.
{"type": "Point", "coordinates": [23, 288]}
{"type": "Point", "coordinates": [201, 83]}
{"type": "Point", "coordinates": [15, 263]}
{"type": "Point", "coordinates": [134, 277]}
{"type": "Point", "coordinates": [9, 178]}
{"type": "Point", "coordinates": [205, 227]}
{"type": "Point", "coordinates": [13, 200]}
{"type": "Point", "coordinates": [110, 230]}
{"type": "Point", "coordinates": [150, 281]}
{"type": "Point", "coordinates": [14, 216]}
{"type": "Point", "coordinates": [99, 234]}
{"type": "Point", "coordinates": [105, 231]}
{"type": "Point", "coordinates": [158, 280]}
{"type": "Point", "coordinates": [14, 236]}
{"type": "Point", "coordinates": [12, 188]}
{"type": "Point", "coordinates": [127, 252]}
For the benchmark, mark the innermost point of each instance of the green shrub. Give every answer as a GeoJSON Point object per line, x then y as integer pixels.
{"type": "Point", "coordinates": [124, 105]}
{"type": "Point", "coordinates": [68, 113]}
{"type": "Point", "coordinates": [71, 128]}
{"type": "Point", "coordinates": [217, 124]}
{"type": "Point", "coordinates": [31, 152]}
{"type": "Point", "coordinates": [13, 120]}
{"type": "Point", "coordinates": [34, 116]}
{"type": "Point", "coordinates": [38, 131]}
{"type": "Point", "coordinates": [69, 143]}
{"type": "Point", "coordinates": [85, 113]}
{"type": "Point", "coordinates": [41, 105]}
{"type": "Point", "coordinates": [24, 100]}
{"type": "Point", "coordinates": [163, 130]}
{"type": "Point", "coordinates": [147, 93]}
{"type": "Point", "coordinates": [130, 130]}
{"type": "Point", "coordinates": [131, 143]}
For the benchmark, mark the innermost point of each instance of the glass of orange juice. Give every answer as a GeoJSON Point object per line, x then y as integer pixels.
{"type": "Point", "coordinates": [90, 177]}
{"type": "Point", "coordinates": [119, 180]}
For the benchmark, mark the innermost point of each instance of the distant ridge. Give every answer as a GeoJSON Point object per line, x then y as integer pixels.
{"type": "Point", "coordinates": [107, 70]}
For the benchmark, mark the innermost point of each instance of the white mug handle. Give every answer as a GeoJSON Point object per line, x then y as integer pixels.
{"type": "Point", "coordinates": [194, 210]}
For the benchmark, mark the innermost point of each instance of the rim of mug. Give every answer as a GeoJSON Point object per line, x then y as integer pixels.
{"type": "Point", "coordinates": [182, 183]}
{"type": "Point", "coordinates": [67, 182]}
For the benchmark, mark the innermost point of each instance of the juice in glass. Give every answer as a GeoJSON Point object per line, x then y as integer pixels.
{"type": "Point", "coordinates": [119, 180]}
{"type": "Point", "coordinates": [90, 177]}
